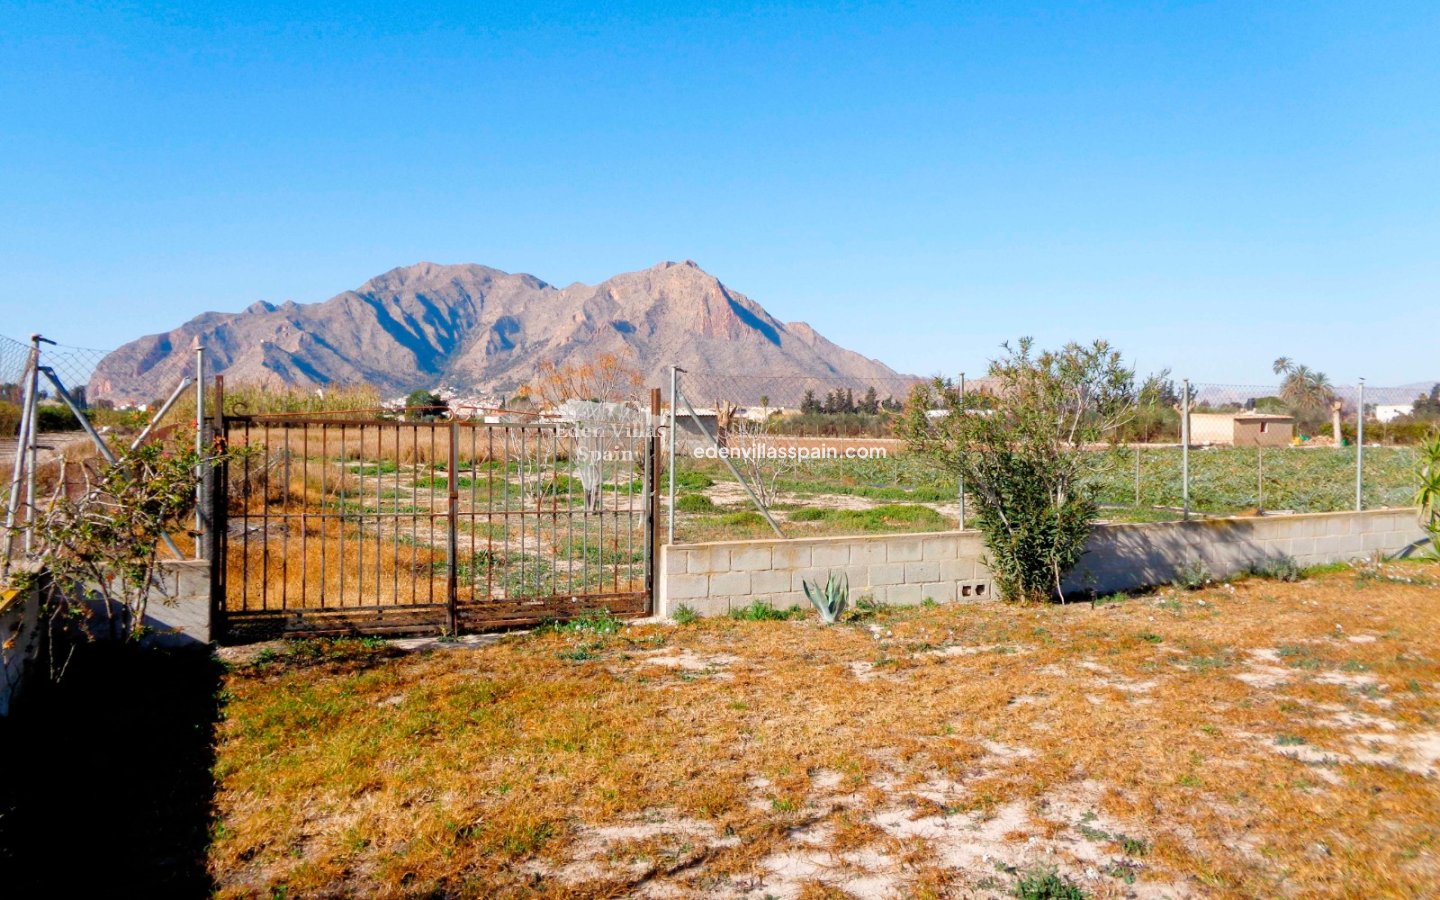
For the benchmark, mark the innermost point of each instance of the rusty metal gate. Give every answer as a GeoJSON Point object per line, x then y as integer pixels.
{"type": "Point", "coordinates": [358, 526]}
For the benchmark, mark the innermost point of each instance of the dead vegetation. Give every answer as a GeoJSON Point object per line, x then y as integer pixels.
{"type": "Point", "coordinates": [1256, 739]}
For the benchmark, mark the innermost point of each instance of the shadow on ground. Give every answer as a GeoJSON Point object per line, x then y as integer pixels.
{"type": "Point", "coordinates": [105, 778]}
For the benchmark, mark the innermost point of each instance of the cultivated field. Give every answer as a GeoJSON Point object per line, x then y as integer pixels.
{"type": "Point", "coordinates": [1257, 739]}
{"type": "Point", "coordinates": [904, 493]}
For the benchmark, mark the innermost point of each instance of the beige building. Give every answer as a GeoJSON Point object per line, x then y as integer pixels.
{"type": "Point", "coordinates": [1242, 429]}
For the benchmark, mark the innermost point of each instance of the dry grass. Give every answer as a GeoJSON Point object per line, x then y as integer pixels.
{"type": "Point", "coordinates": [1261, 739]}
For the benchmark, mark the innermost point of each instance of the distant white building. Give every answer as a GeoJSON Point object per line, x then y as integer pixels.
{"type": "Point", "coordinates": [1389, 412]}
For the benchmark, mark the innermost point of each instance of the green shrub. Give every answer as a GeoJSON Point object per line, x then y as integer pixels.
{"type": "Point", "coordinates": [9, 418]}
{"type": "Point", "coordinates": [692, 481]}
{"type": "Point", "coordinates": [1193, 575]}
{"type": "Point", "coordinates": [1027, 463]}
{"type": "Point", "coordinates": [760, 611]}
{"type": "Point", "coordinates": [55, 418]}
{"type": "Point", "coordinates": [1279, 568]}
{"type": "Point", "coordinates": [748, 519]}
{"type": "Point", "coordinates": [685, 615]}
{"type": "Point", "coordinates": [694, 503]}
{"type": "Point", "coordinates": [1046, 884]}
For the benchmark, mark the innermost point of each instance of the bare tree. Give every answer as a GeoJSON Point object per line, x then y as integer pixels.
{"type": "Point", "coordinates": [608, 377]}
{"type": "Point", "coordinates": [753, 451]}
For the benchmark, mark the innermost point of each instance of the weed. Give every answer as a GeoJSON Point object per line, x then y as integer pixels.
{"type": "Point", "coordinates": [1133, 846]}
{"type": "Point", "coordinates": [761, 611]}
{"type": "Point", "coordinates": [685, 615]}
{"type": "Point", "coordinates": [1289, 740]}
{"type": "Point", "coordinates": [1046, 884]}
{"type": "Point", "coordinates": [694, 503]}
{"type": "Point", "coordinates": [1193, 575]}
{"type": "Point", "coordinates": [1278, 568]}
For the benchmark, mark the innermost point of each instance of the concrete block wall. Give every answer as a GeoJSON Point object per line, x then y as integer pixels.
{"type": "Point", "coordinates": [1125, 557]}
{"type": "Point", "coordinates": [714, 578]}
{"type": "Point", "coordinates": [949, 566]}
{"type": "Point", "coordinates": [178, 612]}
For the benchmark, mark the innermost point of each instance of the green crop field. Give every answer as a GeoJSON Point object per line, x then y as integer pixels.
{"type": "Point", "coordinates": [905, 493]}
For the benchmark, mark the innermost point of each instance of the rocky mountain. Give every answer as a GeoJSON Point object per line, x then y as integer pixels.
{"type": "Point", "coordinates": [483, 331]}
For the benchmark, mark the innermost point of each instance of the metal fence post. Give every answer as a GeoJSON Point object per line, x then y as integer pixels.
{"type": "Point", "coordinates": [22, 442]}
{"type": "Point", "coordinates": [1360, 449]}
{"type": "Point", "coordinates": [1185, 449]}
{"type": "Point", "coordinates": [1137, 476]}
{"type": "Point", "coordinates": [217, 481]}
{"type": "Point", "coordinates": [1260, 479]}
{"type": "Point", "coordinates": [652, 495]}
{"type": "Point", "coordinates": [202, 514]}
{"type": "Point", "coordinates": [962, 473]}
{"type": "Point", "coordinates": [674, 393]}
{"type": "Point", "coordinates": [452, 531]}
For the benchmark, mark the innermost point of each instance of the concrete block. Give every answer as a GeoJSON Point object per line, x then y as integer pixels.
{"type": "Point", "coordinates": [730, 584]}
{"type": "Point", "coordinates": [790, 556]}
{"type": "Point", "coordinates": [705, 606]}
{"type": "Point", "coordinates": [750, 559]}
{"type": "Point", "coordinates": [674, 562]}
{"type": "Point", "coordinates": [836, 554]}
{"type": "Point", "coordinates": [890, 573]}
{"type": "Point", "coordinates": [1375, 540]}
{"type": "Point", "coordinates": [868, 553]}
{"type": "Point", "coordinates": [687, 587]}
{"type": "Point", "coordinates": [922, 572]}
{"type": "Point", "coordinates": [939, 591]}
{"type": "Point", "coordinates": [904, 549]}
{"type": "Point", "coordinates": [904, 594]}
{"type": "Point", "coordinates": [939, 548]}
{"type": "Point", "coordinates": [770, 582]}
{"type": "Point", "coordinates": [706, 560]}
{"type": "Point", "coordinates": [956, 569]}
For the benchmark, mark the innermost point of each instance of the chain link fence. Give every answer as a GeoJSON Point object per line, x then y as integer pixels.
{"type": "Point", "coordinates": [836, 466]}
{"type": "Point", "coordinates": [1287, 447]}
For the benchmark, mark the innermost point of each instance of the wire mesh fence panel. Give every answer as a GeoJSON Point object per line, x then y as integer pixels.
{"type": "Point", "coordinates": [1284, 447]}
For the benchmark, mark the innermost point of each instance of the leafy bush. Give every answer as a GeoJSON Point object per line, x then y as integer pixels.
{"type": "Point", "coordinates": [1025, 461]}
{"type": "Point", "coordinates": [55, 418]}
{"type": "Point", "coordinates": [694, 503]}
{"type": "Point", "coordinates": [685, 615]}
{"type": "Point", "coordinates": [1279, 568]}
{"type": "Point", "coordinates": [692, 481]}
{"type": "Point", "coordinates": [9, 418]}
{"type": "Point", "coordinates": [1193, 575]}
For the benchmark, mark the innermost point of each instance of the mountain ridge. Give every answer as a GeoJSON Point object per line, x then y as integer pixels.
{"type": "Point", "coordinates": [474, 328]}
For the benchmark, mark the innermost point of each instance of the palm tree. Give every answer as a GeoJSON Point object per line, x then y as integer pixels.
{"type": "Point", "coordinates": [1307, 392]}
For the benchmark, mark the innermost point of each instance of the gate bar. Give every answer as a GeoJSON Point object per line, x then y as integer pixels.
{"type": "Point", "coordinates": [452, 587]}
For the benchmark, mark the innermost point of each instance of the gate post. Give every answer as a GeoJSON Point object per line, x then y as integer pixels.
{"type": "Point", "coordinates": [452, 586]}
{"type": "Point", "coordinates": [652, 497]}
{"type": "Point", "coordinates": [216, 485]}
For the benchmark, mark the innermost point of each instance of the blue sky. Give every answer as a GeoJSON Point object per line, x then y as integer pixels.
{"type": "Point", "coordinates": [1208, 185]}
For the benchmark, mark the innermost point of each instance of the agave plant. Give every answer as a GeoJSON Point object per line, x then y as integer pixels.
{"type": "Point", "coordinates": [1428, 496]}
{"type": "Point", "coordinates": [831, 600]}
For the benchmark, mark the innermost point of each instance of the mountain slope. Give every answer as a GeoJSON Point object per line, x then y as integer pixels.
{"type": "Point", "coordinates": [481, 330]}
